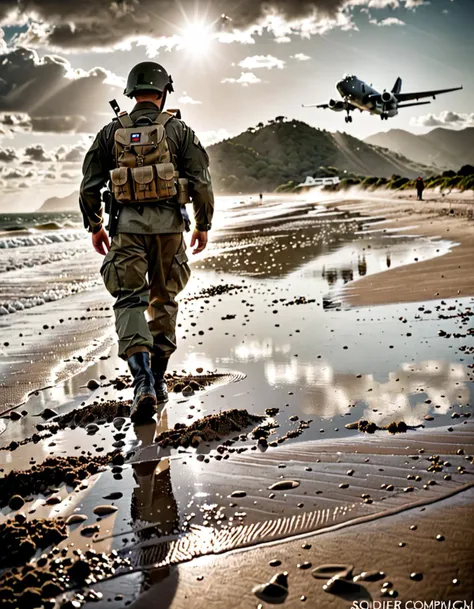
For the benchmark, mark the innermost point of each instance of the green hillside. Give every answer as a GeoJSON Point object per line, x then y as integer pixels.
{"type": "Point", "coordinates": [268, 156]}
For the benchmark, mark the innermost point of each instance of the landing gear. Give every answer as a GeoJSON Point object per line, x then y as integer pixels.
{"type": "Point", "coordinates": [348, 118]}
{"type": "Point", "coordinates": [384, 116]}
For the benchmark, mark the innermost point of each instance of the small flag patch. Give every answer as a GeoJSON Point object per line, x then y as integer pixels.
{"type": "Point", "coordinates": [135, 137]}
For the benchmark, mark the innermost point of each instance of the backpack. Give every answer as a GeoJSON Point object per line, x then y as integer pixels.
{"type": "Point", "coordinates": [144, 170]}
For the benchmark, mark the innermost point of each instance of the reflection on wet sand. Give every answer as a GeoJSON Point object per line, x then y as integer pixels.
{"type": "Point", "coordinates": [409, 393]}
{"type": "Point", "coordinates": [153, 501]}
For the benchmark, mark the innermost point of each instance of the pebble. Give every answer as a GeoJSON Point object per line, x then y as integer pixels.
{"type": "Point", "coordinates": [274, 591]}
{"type": "Point", "coordinates": [48, 413]}
{"type": "Point", "coordinates": [284, 485]}
{"type": "Point", "coordinates": [104, 510]}
{"type": "Point", "coordinates": [340, 586]}
{"type": "Point", "coordinates": [16, 502]}
{"type": "Point", "coordinates": [331, 570]}
{"type": "Point", "coordinates": [370, 576]}
{"type": "Point", "coordinates": [118, 422]}
{"type": "Point", "coordinates": [76, 519]}
{"type": "Point", "coordinates": [53, 500]}
{"type": "Point", "coordinates": [113, 496]}
{"type": "Point", "coordinates": [239, 494]}
{"type": "Point", "coordinates": [90, 530]}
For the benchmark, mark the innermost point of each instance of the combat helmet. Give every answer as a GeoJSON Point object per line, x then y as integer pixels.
{"type": "Point", "coordinates": [148, 76]}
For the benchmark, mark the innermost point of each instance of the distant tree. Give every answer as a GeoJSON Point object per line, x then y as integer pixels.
{"type": "Point", "coordinates": [466, 170]}
{"type": "Point", "coordinates": [280, 119]}
{"type": "Point", "coordinates": [448, 174]}
{"type": "Point", "coordinates": [260, 126]}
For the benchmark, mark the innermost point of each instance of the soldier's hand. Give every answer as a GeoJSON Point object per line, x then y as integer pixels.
{"type": "Point", "coordinates": [100, 241]}
{"type": "Point", "coordinates": [199, 238]}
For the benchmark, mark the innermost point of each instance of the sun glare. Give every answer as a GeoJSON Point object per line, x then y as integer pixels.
{"type": "Point", "coordinates": [197, 38]}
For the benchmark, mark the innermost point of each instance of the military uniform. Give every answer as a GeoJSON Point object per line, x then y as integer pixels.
{"type": "Point", "coordinates": [147, 266]}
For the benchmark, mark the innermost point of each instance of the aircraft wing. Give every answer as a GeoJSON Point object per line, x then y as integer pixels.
{"type": "Point", "coordinates": [414, 104]}
{"type": "Point", "coordinates": [325, 106]}
{"type": "Point", "coordinates": [402, 97]}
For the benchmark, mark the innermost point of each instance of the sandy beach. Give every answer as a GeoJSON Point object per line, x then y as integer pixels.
{"type": "Point", "coordinates": [311, 313]}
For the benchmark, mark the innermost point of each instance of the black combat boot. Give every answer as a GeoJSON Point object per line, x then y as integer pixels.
{"type": "Point", "coordinates": [144, 401]}
{"type": "Point", "coordinates": [158, 366]}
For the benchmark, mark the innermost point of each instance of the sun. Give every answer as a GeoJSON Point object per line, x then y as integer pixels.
{"type": "Point", "coordinates": [197, 38]}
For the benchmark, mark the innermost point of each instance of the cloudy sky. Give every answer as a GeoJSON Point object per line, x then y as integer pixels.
{"type": "Point", "coordinates": [234, 64]}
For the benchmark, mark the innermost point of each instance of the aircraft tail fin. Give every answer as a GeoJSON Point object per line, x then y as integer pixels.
{"type": "Point", "coordinates": [397, 87]}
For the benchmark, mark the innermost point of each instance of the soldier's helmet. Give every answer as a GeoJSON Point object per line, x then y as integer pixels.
{"type": "Point", "coordinates": [148, 76]}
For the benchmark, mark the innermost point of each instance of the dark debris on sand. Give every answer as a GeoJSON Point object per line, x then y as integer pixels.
{"type": "Point", "coordinates": [21, 538]}
{"type": "Point", "coordinates": [97, 411]}
{"type": "Point", "coordinates": [37, 584]}
{"type": "Point", "coordinates": [211, 428]}
{"type": "Point", "coordinates": [369, 427]}
{"type": "Point", "coordinates": [216, 290]}
{"type": "Point", "coordinates": [53, 472]}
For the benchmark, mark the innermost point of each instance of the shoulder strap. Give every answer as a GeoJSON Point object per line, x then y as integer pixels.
{"type": "Point", "coordinates": [163, 118]}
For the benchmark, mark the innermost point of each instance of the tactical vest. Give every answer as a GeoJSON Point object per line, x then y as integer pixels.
{"type": "Point", "coordinates": [145, 172]}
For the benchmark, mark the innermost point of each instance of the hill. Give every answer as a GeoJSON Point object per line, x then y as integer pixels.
{"type": "Point", "coordinates": [444, 148]}
{"type": "Point", "coordinates": [268, 156]}
{"type": "Point", "coordinates": [55, 204]}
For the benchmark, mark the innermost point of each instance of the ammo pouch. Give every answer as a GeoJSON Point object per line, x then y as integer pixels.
{"type": "Point", "coordinates": [144, 184]}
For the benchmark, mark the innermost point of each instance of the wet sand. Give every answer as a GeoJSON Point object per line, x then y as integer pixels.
{"type": "Point", "coordinates": [446, 277]}
{"type": "Point", "coordinates": [446, 567]}
{"type": "Point", "coordinates": [264, 313]}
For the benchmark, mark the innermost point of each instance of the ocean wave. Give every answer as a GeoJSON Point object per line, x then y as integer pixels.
{"type": "Point", "coordinates": [51, 295]}
{"type": "Point", "coordinates": [49, 226]}
{"type": "Point", "coordinates": [32, 239]}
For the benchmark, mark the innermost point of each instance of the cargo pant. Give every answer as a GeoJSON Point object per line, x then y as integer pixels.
{"type": "Point", "coordinates": [146, 273]}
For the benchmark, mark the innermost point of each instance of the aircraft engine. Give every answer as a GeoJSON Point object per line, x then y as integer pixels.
{"type": "Point", "coordinates": [388, 98]}
{"type": "Point", "coordinates": [337, 106]}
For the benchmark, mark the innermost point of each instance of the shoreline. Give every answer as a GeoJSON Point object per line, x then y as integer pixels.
{"type": "Point", "coordinates": [444, 277]}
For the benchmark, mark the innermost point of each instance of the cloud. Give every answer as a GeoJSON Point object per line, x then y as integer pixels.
{"type": "Point", "coordinates": [14, 174]}
{"type": "Point", "coordinates": [37, 153]}
{"type": "Point", "coordinates": [388, 21]}
{"type": "Point", "coordinates": [72, 154]}
{"type": "Point", "coordinates": [161, 24]}
{"type": "Point", "coordinates": [416, 3]}
{"type": "Point", "coordinates": [212, 137]}
{"type": "Point", "coordinates": [300, 57]}
{"type": "Point", "coordinates": [47, 94]}
{"type": "Point", "coordinates": [245, 79]}
{"type": "Point", "coordinates": [8, 155]}
{"type": "Point", "coordinates": [262, 61]}
{"type": "Point", "coordinates": [186, 99]}
{"type": "Point", "coordinates": [444, 119]}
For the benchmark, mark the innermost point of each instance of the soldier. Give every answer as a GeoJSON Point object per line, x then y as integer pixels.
{"type": "Point", "coordinates": [149, 157]}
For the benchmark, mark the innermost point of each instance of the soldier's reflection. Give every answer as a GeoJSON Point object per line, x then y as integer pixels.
{"type": "Point", "coordinates": [153, 502]}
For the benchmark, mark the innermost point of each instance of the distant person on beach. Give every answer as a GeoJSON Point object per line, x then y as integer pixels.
{"type": "Point", "coordinates": [261, 196]}
{"type": "Point", "coordinates": [420, 187]}
{"type": "Point", "coordinates": [153, 163]}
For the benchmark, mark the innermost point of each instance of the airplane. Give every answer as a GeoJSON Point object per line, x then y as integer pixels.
{"type": "Point", "coordinates": [358, 95]}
